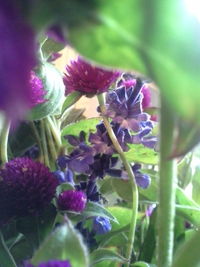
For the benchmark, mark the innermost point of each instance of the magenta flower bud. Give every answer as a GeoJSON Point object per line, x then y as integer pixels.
{"type": "Point", "coordinates": [37, 90]}
{"type": "Point", "coordinates": [72, 200]}
{"type": "Point", "coordinates": [84, 77]}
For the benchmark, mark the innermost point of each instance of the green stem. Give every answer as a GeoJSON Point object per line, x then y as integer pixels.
{"type": "Point", "coordinates": [5, 256]}
{"type": "Point", "coordinates": [4, 140]}
{"type": "Point", "coordinates": [50, 140]}
{"type": "Point", "coordinates": [44, 143]}
{"type": "Point", "coordinates": [38, 139]}
{"type": "Point", "coordinates": [130, 175]}
{"type": "Point", "coordinates": [55, 132]}
{"type": "Point", "coordinates": [167, 189]}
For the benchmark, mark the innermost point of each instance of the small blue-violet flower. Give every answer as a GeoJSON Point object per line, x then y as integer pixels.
{"type": "Point", "coordinates": [101, 225]}
{"type": "Point", "coordinates": [50, 263]}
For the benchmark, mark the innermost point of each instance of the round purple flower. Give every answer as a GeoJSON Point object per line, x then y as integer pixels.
{"type": "Point", "coordinates": [37, 90]}
{"type": "Point", "coordinates": [51, 263]}
{"type": "Point", "coordinates": [72, 200]}
{"type": "Point", "coordinates": [26, 186]}
{"type": "Point", "coordinates": [86, 78]}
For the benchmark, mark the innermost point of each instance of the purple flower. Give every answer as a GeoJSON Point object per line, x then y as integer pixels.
{"type": "Point", "coordinates": [66, 176]}
{"type": "Point", "coordinates": [84, 77]}
{"type": "Point", "coordinates": [90, 189]}
{"type": "Point", "coordinates": [72, 200]}
{"type": "Point", "coordinates": [51, 263]}
{"type": "Point", "coordinates": [101, 225]}
{"type": "Point", "coordinates": [102, 143]}
{"type": "Point", "coordinates": [143, 180]}
{"type": "Point", "coordinates": [37, 90]}
{"type": "Point", "coordinates": [27, 187]}
{"type": "Point", "coordinates": [124, 107]}
{"type": "Point", "coordinates": [56, 33]}
{"type": "Point", "coordinates": [17, 59]}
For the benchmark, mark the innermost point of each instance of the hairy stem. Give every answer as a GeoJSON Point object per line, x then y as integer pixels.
{"type": "Point", "coordinates": [130, 175]}
{"type": "Point", "coordinates": [44, 143]}
{"type": "Point", "coordinates": [4, 140]}
{"type": "Point", "coordinates": [55, 131]}
{"type": "Point", "coordinates": [167, 189]}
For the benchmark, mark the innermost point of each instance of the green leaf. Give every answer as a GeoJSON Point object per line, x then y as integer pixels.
{"type": "Point", "coordinates": [103, 254]}
{"type": "Point", "coordinates": [88, 125]}
{"type": "Point", "coordinates": [50, 46]}
{"type": "Point", "coordinates": [64, 243]}
{"type": "Point", "coordinates": [152, 41]}
{"type": "Point", "coordinates": [141, 154]}
{"type": "Point", "coordinates": [54, 87]}
{"type": "Point", "coordinates": [142, 264]}
{"type": "Point", "coordinates": [70, 100]}
{"type": "Point", "coordinates": [95, 209]}
{"type": "Point", "coordinates": [123, 216]}
{"type": "Point", "coordinates": [188, 254]}
{"type": "Point", "coordinates": [196, 185]}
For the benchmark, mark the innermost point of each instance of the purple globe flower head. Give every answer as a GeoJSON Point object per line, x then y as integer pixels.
{"type": "Point", "coordinates": [17, 59]}
{"type": "Point", "coordinates": [84, 77]}
{"type": "Point", "coordinates": [37, 90]}
{"type": "Point", "coordinates": [101, 225]}
{"type": "Point", "coordinates": [71, 200]}
{"type": "Point", "coordinates": [50, 263]}
{"type": "Point", "coordinates": [27, 186]}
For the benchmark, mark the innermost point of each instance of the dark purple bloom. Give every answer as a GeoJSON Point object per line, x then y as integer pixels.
{"type": "Point", "coordinates": [84, 77]}
{"type": "Point", "coordinates": [51, 263]}
{"type": "Point", "coordinates": [17, 59]}
{"type": "Point", "coordinates": [101, 225]}
{"type": "Point", "coordinates": [89, 236]}
{"type": "Point", "coordinates": [90, 189]}
{"type": "Point", "coordinates": [72, 200]}
{"type": "Point", "coordinates": [37, 90]}
{"type": "Point", "coordinates": [27, 186]}
{"type": "Point", "coordinates": [32, 152]}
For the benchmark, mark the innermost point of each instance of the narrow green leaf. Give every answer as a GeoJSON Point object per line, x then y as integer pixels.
{"type": "Point", "coordinates": [50, 46]}
{"type": "Point", "coordinates": [70, 100]}
{"type": "Point", "coordinates": [196, 185]}
{"type": "Point", "coordinates": [142, 264]}
{"type": "Point", "coordinates": [94, 209]}
{"type": "Point", "coordinates": [65, 243]}
{"type": "Point", "coordinates": [103, 254]}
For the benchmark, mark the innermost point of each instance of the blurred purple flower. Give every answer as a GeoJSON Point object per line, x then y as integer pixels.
{"type": "Point", "coordinates": [66, 176]}
{"type": "Point", "coordinates": [143, 180]}
{"type": "Point", "coordinates": [84, 77]}
{"type": "Point", "coordinates": [101, 225]}
{"type": "Point", "coordinates": [50, 263]}
{"type": "Point", "coordinates": [72, 200]}
{"type": "Point", "coordinates": [27, 187]}
{"type": "Point", "coordinates": [56, 33]}
{"type": "Point", "coordinates": [37, 90]}
{"type": "Point", "coordinates": [17, 59]}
